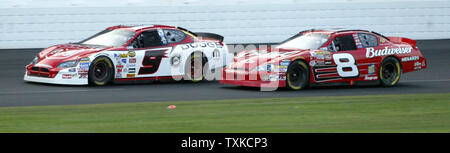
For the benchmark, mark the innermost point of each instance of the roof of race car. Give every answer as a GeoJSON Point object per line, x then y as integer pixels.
{"type": "Point", "coordinates": [340, 30]}
{"type": "Point", "coordinates": [139, 27]}
{"type": "Point", "coordinates": [332, 31]}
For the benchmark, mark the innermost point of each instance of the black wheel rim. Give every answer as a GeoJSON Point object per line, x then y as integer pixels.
{"type": "Point", "coordinates": [100, 71]}
{"type": "Point", "coordinates": [296, 76]}
{"type": "Point", "coordinates": [389, 73]}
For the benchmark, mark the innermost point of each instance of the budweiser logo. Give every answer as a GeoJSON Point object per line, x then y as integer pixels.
{"type": "Point", "coordinates": [371, 52]}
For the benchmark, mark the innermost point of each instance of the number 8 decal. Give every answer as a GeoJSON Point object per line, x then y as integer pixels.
{"type": "Point", "coordinates": [345, 60]}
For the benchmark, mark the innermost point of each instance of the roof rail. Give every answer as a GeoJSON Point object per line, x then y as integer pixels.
{"type": "Point", "coordinates": [345, 30]}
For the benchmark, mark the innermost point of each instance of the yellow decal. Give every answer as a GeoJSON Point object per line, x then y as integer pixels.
{"type": "Point", "coordinates": [131, 53]}
{"type": "Point", "coordinates": [123, 55]}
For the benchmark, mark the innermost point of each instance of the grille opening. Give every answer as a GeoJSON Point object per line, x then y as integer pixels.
{"type": "Point", "coordinates": [40, 72]}
{"type": "Point", "coordinates": [35, 68]}
{"type": "Point", "coordinates": [44, 70]}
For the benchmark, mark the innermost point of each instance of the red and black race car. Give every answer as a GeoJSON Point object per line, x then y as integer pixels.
{"type": "Point", "coordinates": [326, 57]}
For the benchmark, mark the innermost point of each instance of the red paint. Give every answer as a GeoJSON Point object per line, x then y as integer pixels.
{"type": "Point", "coordinates": [247, 61]}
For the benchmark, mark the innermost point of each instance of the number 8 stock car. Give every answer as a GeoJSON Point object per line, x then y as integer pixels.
{"type": "Point", "coordinates": [129, 53]}
{"type": "Point", "coordinates": [326, 57]}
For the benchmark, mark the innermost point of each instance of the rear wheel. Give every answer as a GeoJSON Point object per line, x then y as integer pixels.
{"type": "Point", "coordinates": [297, 76]}
{"type": "Point", "coordinates": [100, 71]}
{"type": "Point", "coordinates": [195, 66]}
{"type": "Point", "coordinates": [389, 72]}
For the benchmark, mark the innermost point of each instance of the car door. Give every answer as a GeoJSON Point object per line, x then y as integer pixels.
{"type": "Point", "coordinates": [349, 56]}
{"type": "Point", "coordinates": [346, 56]}
{"type": "Point", "coordinates": [148, 54]}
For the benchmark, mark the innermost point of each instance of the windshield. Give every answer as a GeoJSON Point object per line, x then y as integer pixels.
{"type": "Point", "coordinates": [305, 41]}
{"type": "Point", "coordinates": [109, 38]}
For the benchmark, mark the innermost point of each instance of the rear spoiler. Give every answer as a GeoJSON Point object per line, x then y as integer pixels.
{"type": "Point", "coordinates": [399, 40]}
{"type": "Point", "coordinates": [210, 35]}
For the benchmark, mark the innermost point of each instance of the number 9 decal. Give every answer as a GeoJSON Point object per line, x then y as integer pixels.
{"type": "Point", "coordinates": [345, 60]}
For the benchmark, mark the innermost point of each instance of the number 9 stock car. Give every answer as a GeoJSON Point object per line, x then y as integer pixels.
{"type": "Point", "coordinates": [326, 57]}
{"type": "Point", "coordinates": [127, 53]}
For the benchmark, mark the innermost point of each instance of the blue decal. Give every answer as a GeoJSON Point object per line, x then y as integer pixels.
{"type": "Point", "coordinates": [72, 69]}
{"type": "Point", "coordinates": [84, 65]}
{"type": "Point", "coordinates": [284, 63]}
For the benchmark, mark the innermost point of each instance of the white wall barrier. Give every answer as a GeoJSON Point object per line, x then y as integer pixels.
{"type": "Point", "coordinates": [25, 26]}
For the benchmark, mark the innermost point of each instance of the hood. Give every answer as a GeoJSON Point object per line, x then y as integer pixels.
{"type": "Point", "coordinates": [51, 57]}
{"type": "Point", "coordinates": [248, 60]}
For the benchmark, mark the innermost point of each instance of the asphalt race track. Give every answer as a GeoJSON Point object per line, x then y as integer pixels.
{"type": "Point", "coordinates": [15, 92]}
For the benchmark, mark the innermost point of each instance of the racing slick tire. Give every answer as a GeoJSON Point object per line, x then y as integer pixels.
{"type": "Point", "coordinates": [297, 75]}
{"type": "Point", "coordinates": [390, 71]}
{"type": "Point", "coordinates": [101, 71]}
{"type": "Point", "coordinates": [193, 70]}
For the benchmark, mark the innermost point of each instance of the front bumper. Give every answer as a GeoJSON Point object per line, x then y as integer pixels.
{"type": "Point", "coordinates": [61, 77]}
{"type": "Point", "coordinates": [253, 79]}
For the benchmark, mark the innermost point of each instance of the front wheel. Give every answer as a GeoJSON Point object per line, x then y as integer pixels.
{"type": "Point", "coordinates": [100, 71]}
{"type": "Point", "coordinates": [389, 72]}
{"type": "Point", "coordinates": [297, 75]}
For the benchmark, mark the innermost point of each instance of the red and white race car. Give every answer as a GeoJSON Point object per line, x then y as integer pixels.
{"type": "Point", "coordinates": [124, 53]}
{"type": "Point", "coordinates": [326, 57]}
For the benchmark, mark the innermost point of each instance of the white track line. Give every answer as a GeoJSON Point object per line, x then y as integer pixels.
{"type": "Point", "coordinates": [49, 91]}
{"type": "Point", "coordinates": [445, 80]}
{"type": "Point", "coordinates": [65, 91]}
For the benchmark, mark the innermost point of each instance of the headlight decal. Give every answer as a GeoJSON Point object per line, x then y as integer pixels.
{"type": "Point", "coordinates": [68, 64]}
{"type": "Point", "coordinates": [271, 68]}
